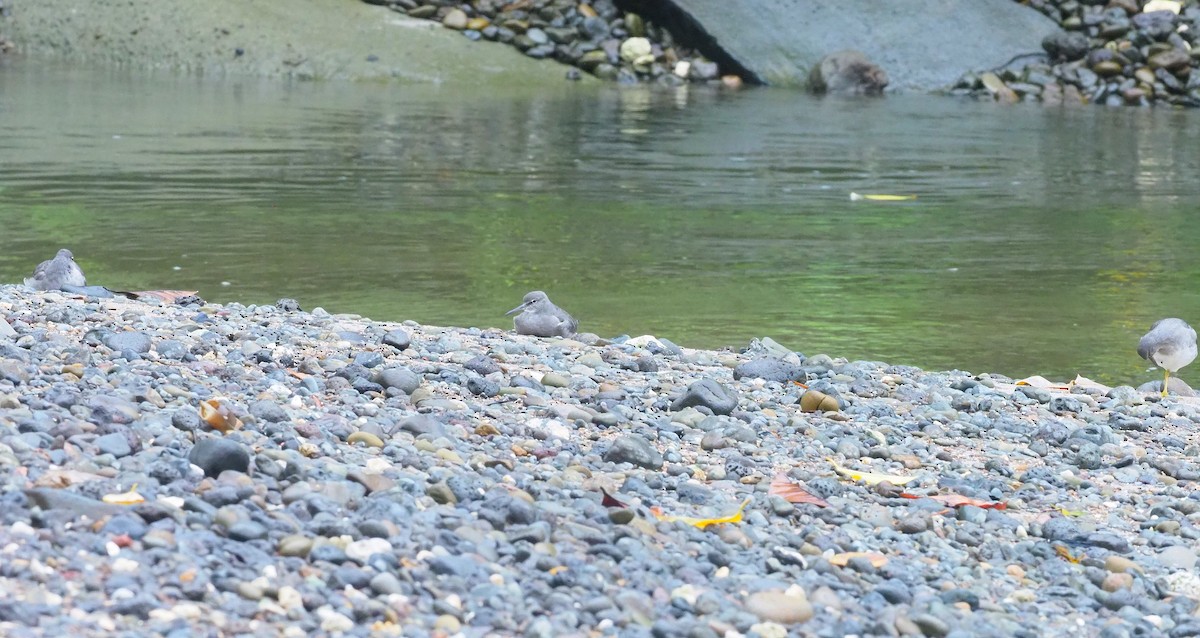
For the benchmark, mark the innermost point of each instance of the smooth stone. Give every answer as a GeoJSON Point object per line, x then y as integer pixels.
{"type": "Point", "coordinates": [402, 379]}
{"type": "Point", "coordinates": [361, 550]}
{"type": "Point", "coordinates": [295, 545]}
{"type": "Point", "coordinates": [398, 339]}
{"type": "Point", "coordinates": [116, 444]}
{"type": "Point", "coordinates": [455, 19]}
{"type": "Point", "coordinates": [779, 606]}
{"type": "Point", "coordinates": [636, 450]}
{"type": "Point", "coordinates": [771, 369]}
{"type": "Point", "coordinates": [53, 499]}
{"type": "Point", "coordinates": [1178, 557]}
{"type": "Point", "coordinates": [215, 455]}
{"type": "Point", "coordinates": [247, 531]}
{"type": "Point", "coordinates": [138, 342]}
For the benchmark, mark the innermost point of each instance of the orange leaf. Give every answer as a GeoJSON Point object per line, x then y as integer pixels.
{"type": "Point", "coordinates": [958, 500]}
{"type": "Point", "coordinates": [794, 493]}
{"type": "Point", "coordinates": [1066, 554]}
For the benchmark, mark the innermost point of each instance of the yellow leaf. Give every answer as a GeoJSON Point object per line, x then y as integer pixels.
{"type": "Point", "coordinates": [855, 197]}
{"type": "Point", "coordinates": [1065, 553]}
{"type": "Point", "coordinates": [1066, 512]}
{"type": "Point", "coordinates": [870, 478]}
{"type": "Point", "coordinates": [735, 517]}
{"type": "Point", "coordinates": [125, 498]}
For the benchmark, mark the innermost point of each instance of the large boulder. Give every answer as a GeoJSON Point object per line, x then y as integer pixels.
{"type": "Point", "coordinates": [922, 44]}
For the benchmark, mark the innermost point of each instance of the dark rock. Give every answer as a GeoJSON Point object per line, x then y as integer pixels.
{"type": "Point", "coordinates": [268, 411]}
{"type": "Point", "coordinates": [402, 379]}
{"type": "Point", "coordinates": [186, 419]}
{"type": "Point", "coordinates": [482, 387]}
{"type": "Point", "coordinates": [215, 455]}
{"type": "Point", "coordinates": [1066, 45]}
{"type": "Point", "coordinates": [482, 365]}
{"type": "Point", "coordinates": [636, 450]}
{"type": "Point", "coordinates": [709, 394]}
{"type": "Point", "coordinates": [247, 531]}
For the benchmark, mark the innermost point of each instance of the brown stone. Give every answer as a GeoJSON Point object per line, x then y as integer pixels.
{"type": "Point", "coordinates": [1173, 60]}
{"type": "Point", "coordinates": [1107, 68]}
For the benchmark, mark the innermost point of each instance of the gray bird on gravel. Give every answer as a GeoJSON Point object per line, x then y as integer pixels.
{"type": "Point", "coordinates": [57, 274]}
{"type": "Point", "coordinates": [541, 318]}
{"type": "Point", "coordinates": [1170, 344]}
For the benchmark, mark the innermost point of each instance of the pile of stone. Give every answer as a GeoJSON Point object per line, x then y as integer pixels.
{"type": "Point", "coordinates": [594, 37]}
{"type": "Point", "coordinates": [1112, 52]}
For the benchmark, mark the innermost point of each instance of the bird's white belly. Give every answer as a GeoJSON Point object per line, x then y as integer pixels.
{"type": "Point", "coordinates": [1177, 359]}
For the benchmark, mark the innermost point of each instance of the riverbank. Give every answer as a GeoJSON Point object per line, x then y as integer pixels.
{"type": "Point", "coordinates": [305, 39]}
{"type": "Point", "coordinates": [376, 476]}
{"type": "Point", "coordinates": [1115, 54]}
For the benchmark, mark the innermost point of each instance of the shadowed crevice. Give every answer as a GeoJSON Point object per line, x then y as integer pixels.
{"type": "Point", "coordinates": [689, 33]}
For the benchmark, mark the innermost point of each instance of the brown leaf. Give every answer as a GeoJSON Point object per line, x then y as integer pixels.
{"type": "Point", "coordinates": [793, 492]}
{"type": "Point", "coordinates": [65, 478]}
{"type": "Point", "coordinates": [842, 559]}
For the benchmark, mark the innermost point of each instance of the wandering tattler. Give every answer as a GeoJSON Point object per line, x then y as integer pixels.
{"type": "Point", "coordinates": [541, 318]}
{"type": "Point", "coordinates": [57, 273]}
{"type": "Point", "coordinates": [1170, 344]}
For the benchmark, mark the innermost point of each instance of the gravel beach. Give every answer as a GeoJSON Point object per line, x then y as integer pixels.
{"type": "Point", "coordinates": [235, 470]}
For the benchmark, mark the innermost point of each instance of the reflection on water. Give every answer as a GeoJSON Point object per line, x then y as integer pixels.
{"type": "Point", "coordinates": [1043, 241]}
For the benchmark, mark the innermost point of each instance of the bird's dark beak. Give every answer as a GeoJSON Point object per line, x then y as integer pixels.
{"type": "Point", "coordinates": [517, 309]}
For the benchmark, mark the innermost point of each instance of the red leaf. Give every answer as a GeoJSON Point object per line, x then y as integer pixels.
{"type": "Point", "coordinates": [958, 500]}
{"type": "Point", "coordinates": [793, 492]}
{"type": "Point", "coordinates": [609, 500]}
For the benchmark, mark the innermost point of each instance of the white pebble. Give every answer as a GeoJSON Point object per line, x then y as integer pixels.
{"type": "Point", "coordinates": [126, 565]}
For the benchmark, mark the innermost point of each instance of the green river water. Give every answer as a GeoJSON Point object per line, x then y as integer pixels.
{"type": "Point", "coordinates": [1042, 240]}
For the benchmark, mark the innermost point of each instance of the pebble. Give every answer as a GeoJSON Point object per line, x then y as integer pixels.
{"type": "Point", "coordinates": [349, 496]}
{"type": "Point", "coordinates": [1116, 55]}
{"type": "Point", "coordinates": [779, 606]}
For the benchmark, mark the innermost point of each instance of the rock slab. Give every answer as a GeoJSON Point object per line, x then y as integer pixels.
{"type": "Point", "coordinates": [923, 45]}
